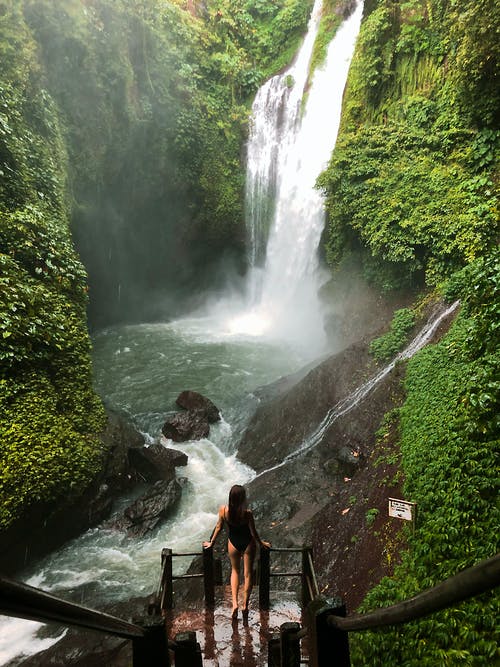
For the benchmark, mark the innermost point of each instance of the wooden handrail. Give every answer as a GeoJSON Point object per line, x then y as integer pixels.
{"type": "Point", "coordinates": [480, 578]}
{"type": "Point", "coordinates": [24, 601]}
{"type": "Point", "coordinates": [149, 641]}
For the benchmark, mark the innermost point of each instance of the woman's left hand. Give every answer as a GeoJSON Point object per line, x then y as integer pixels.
{"type": "Point", "coordinates": [206, 545]}
{"type": "Point", "coordinates": [266, 545]}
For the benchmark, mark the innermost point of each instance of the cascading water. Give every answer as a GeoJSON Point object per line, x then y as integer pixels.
{"type": "Point", "coordinates": [288, 148]}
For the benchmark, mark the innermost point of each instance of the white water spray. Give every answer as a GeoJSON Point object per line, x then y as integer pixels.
{"type": "Point", "coordinates": [287, 150]}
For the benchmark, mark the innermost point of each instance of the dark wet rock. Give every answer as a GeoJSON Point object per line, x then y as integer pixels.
{"type": "Point", "coordinates": [349, 459]}
{"type": "Point", "coordinates": [148, 511]}
{"type": "Point", "coordinates": [193, 401]}
{"type": "Point", "coordinates": [281, 425]}
{"type": "Point", "coordinates": [192, 425]}
{"type": "Point", "coordinates": [156, 462]}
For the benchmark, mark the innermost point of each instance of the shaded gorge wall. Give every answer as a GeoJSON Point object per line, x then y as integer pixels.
{"type": "Point", "coordinates": [145, 157]}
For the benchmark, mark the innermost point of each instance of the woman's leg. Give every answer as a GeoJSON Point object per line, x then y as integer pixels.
{"type": "Point", "coordinates": [248, 559]}
{"type": "Point", "coordinates": [235, 558]}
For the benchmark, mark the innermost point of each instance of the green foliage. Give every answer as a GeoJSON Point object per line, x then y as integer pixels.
{"type": "Point", "coordinates": [252, 40]}
{"type": "Point", "coordinates": [371, 515]}
{"type": "Point", "coordinates": [386, 346]}
{"type": "Point", "coordinates": [412, 181]}
{"type": "Point", "coordinates": [46, 455]}
{"type": "Point", "coordinates": [49, 414]}
{"type": "Point", "coordinates": [478, 285]}
{"type": "Point", "coordinates": [412, 199]}
{"type": "Point", "coordinates": [449, 442]}
{"type": "Point", "coordinates": [332, 14]}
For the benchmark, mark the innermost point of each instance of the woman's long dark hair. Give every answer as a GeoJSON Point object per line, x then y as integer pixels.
{"type": "Point", "coordinates": [236, 504]}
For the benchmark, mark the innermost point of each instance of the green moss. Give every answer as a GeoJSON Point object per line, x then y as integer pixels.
{"type": "Point", "coordinates": [387, 346]}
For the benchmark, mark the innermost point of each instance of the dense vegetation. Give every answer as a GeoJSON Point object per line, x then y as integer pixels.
{"type": "Point", "coordinates": [412, 196]}
{"type": "Point", "coordinates": [121, 126]}
{"type": "Point", "coordinates": [49, 415]}
{"type": "Point", "coordinates": [418, 143]}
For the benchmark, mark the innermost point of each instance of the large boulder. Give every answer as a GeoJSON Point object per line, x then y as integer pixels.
{"type": "Point", "coordinates": [195, 402]}
{"type": "Point", "coordinates": [156, 462]}
{"type": "Point", "coordinates": [148, 511]}
{"type": "Point", "coordinates": [192, 425]}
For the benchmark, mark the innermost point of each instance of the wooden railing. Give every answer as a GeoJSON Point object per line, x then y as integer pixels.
{"type": "Point", "coordinates": [149, 639]}
{"type": "Point", "coordinates": [309, 585]}
{"type": "Point", "coordinates": [163, 598]}
{"type": "Point", "coordinates": [211, 574]}
{"type": "Point", "coordinates": [327, 628]}
{"type": "Point", "coordinates": [150, 646]}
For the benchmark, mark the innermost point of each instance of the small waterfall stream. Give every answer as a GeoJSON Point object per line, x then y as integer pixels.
{"type": "Point", "coordinates": [353, 399]}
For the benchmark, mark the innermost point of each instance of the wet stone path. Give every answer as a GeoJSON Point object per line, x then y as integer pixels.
{"type": "Point", "coordinates": [226, 642]}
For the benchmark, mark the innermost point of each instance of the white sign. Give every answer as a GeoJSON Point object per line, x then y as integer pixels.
{"type": "Point", "coordinates": [402, 509]}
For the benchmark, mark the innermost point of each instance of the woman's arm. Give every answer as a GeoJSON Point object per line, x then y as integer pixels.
{"type": "Point", "coordinates": [217, 529]}
{"type": "Point", "coordinates": [253, 531]}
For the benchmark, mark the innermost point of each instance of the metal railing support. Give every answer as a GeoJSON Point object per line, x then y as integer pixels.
{"type": "Point", "coordinates": [152, 648]}
{"type": "Point", "coordinates": [290, 645]}
{"type": "Point", "coordinates": [187, 650]}
{"type": "Point", "coordinates": [167, 583]}
{"type": "Point", "coordinates": [328, 646]}
{"type": "Point", "coordinates": [274, 650]}
{"type": "Point", "coordinates": [264, 578]}
{"type": "Point", "coordinates": [208, 576]}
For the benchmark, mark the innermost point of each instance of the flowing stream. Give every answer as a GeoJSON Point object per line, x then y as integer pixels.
{"type": "Point", "coordinates": [245, 342]}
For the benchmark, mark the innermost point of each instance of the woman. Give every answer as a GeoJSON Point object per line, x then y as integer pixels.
{"type": "Point", "coordinates": [242, 541]}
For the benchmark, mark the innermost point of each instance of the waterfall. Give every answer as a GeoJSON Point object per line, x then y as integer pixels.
{"type": "Point", "coordinates": [293, 133]}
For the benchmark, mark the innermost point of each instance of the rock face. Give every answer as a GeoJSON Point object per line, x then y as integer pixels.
{"type": "Point", "coordinates": [186, 426]}
{"type": "Point", "coordinates": [319, 485]}
{"type": "Point", "coordinates": [193, 424]}
{"type": "Point", "coordinates": [156, 462]}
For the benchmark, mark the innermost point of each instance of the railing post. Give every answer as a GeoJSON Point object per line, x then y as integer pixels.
{"type": "Point", "coordinates": [152, 649]}
{"type": "Point", "coordinates": [208, 576]}
{"type": "Point", "coordinates": [306, 575]}
{"type": "Point", "coordinates": [328, 647]}
{"type": "Point", "coordinates": [264, 577]}
{"type": "Point", "coordinates": [274, 650]}
{"type": "Point", "coordinates": [167, 584]}
{"type": "Point", "coordinates": [187, 650]}
{"type": "Point", "coordinates": [290, 645]}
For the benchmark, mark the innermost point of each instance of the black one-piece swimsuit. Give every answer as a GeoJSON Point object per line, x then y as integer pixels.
{"type": "Point", "coordinates": [239, 536]}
